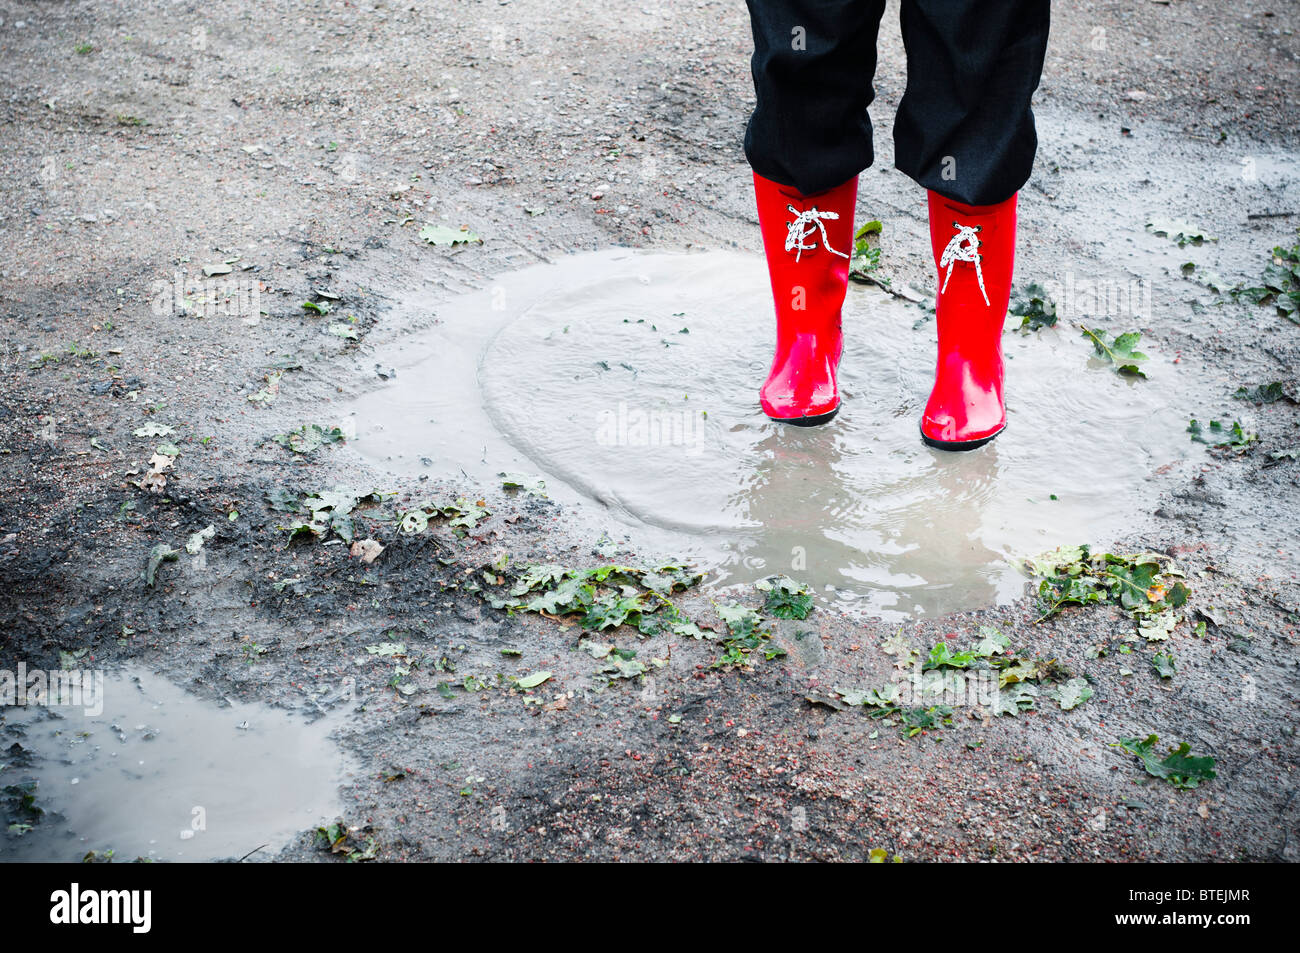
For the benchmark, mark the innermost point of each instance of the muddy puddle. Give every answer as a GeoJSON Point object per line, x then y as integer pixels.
{"type": "Point", "coordinates": [143, 768]}
{"type": "Point", "coordinates": [628, 381]}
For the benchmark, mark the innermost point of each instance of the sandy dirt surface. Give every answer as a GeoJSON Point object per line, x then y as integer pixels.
{"type": "Point", "coordinates": [302, 146]}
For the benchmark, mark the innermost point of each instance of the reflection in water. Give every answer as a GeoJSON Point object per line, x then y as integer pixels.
{"type": "Point", "coordinates": [629, 381]}
{"type": "Point", "coordinates": [899, 552]}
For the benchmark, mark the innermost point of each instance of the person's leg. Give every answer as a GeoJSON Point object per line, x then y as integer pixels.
{"type": "Point", "coordinates": [807, 140]}
{"type": "Point", "coordinates": [965, 132]}
{"type": "Point", "coordinates": [813, 64]}
{"type": "Point", "coordinates": [964, 127]}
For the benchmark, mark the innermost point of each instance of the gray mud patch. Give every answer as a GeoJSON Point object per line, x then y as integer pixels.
{"type": "Point", "coordinates": [145, 769]}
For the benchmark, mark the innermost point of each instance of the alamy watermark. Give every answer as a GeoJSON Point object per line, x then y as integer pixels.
{"type": "Point", "coordinates": [926, 688]}
{"type": "Point", "coordinates": [65, 688]}
{"type": "Point", "coordinates": [1077, 297]}
{"type": "Point", "coordinates": [206, 297]}
{"type": "Point", "coordinates": [627, 426]}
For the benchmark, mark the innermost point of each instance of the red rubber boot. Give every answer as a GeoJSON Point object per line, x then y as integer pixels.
{"type": "Point", "coordinates": [974, 251]}
{"type": "Point", "coordinates": [808, 240]}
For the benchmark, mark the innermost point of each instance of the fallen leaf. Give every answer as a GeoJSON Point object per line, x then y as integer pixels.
{"type": "Point", "coordinates": [367, 550]}
{"type": "Point", "coordinates": [443, 235]}
{"type": "Point", "coordinates": [533, 680]}
{"type": "Point", "coordinates": [158, 555]}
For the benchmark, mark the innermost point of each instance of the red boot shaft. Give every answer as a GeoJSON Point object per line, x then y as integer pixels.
{"type": "Point", "coordinates": [808, 240]}
{"type": "Point", "coordinates": [974, 252]}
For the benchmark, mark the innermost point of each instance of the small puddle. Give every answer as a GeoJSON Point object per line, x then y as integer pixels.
{"type": "Point", "coordinates": [628, 380]}
{"type": "Point", "coordinates": [161, 774]}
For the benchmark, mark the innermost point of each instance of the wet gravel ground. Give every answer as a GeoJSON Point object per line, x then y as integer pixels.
{"type": "Point", "coordinates": [305, 144]}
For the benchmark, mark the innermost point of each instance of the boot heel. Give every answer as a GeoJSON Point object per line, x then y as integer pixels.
{"type": "Point", "coordinates": [958, 445]}
{"type": "Point", "coordinates": [814, 421]}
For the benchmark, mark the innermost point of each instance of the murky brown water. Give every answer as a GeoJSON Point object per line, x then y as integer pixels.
{"type": "Point", "coordinates": [162, 774]}
{"type": "Point", "coordinates": [628, 380]}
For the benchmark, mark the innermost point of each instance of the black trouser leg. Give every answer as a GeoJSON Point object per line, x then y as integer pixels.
{"type": "Point", "coordinates": [813, 64]}
{"type": "Point", "coordinates": [965, 128]}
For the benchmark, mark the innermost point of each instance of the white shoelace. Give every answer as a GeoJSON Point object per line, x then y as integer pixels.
{"type": "Point", "coordinates": [963, 246]}
{"type": "Point", "coordinates": [805, 224]}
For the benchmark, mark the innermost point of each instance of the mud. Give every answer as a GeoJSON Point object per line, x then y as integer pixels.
{"type": "Point", "coordinates": [303, 146]}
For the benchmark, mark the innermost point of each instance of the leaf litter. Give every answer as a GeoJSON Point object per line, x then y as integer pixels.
{"type": "Point", "coordinates": [1148, 586]}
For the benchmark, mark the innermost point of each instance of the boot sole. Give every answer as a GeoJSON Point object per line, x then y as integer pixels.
{"type": "Point", "coordinates": [958, 445]}
{"type": "Point", "coordinates": [814, 421]}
